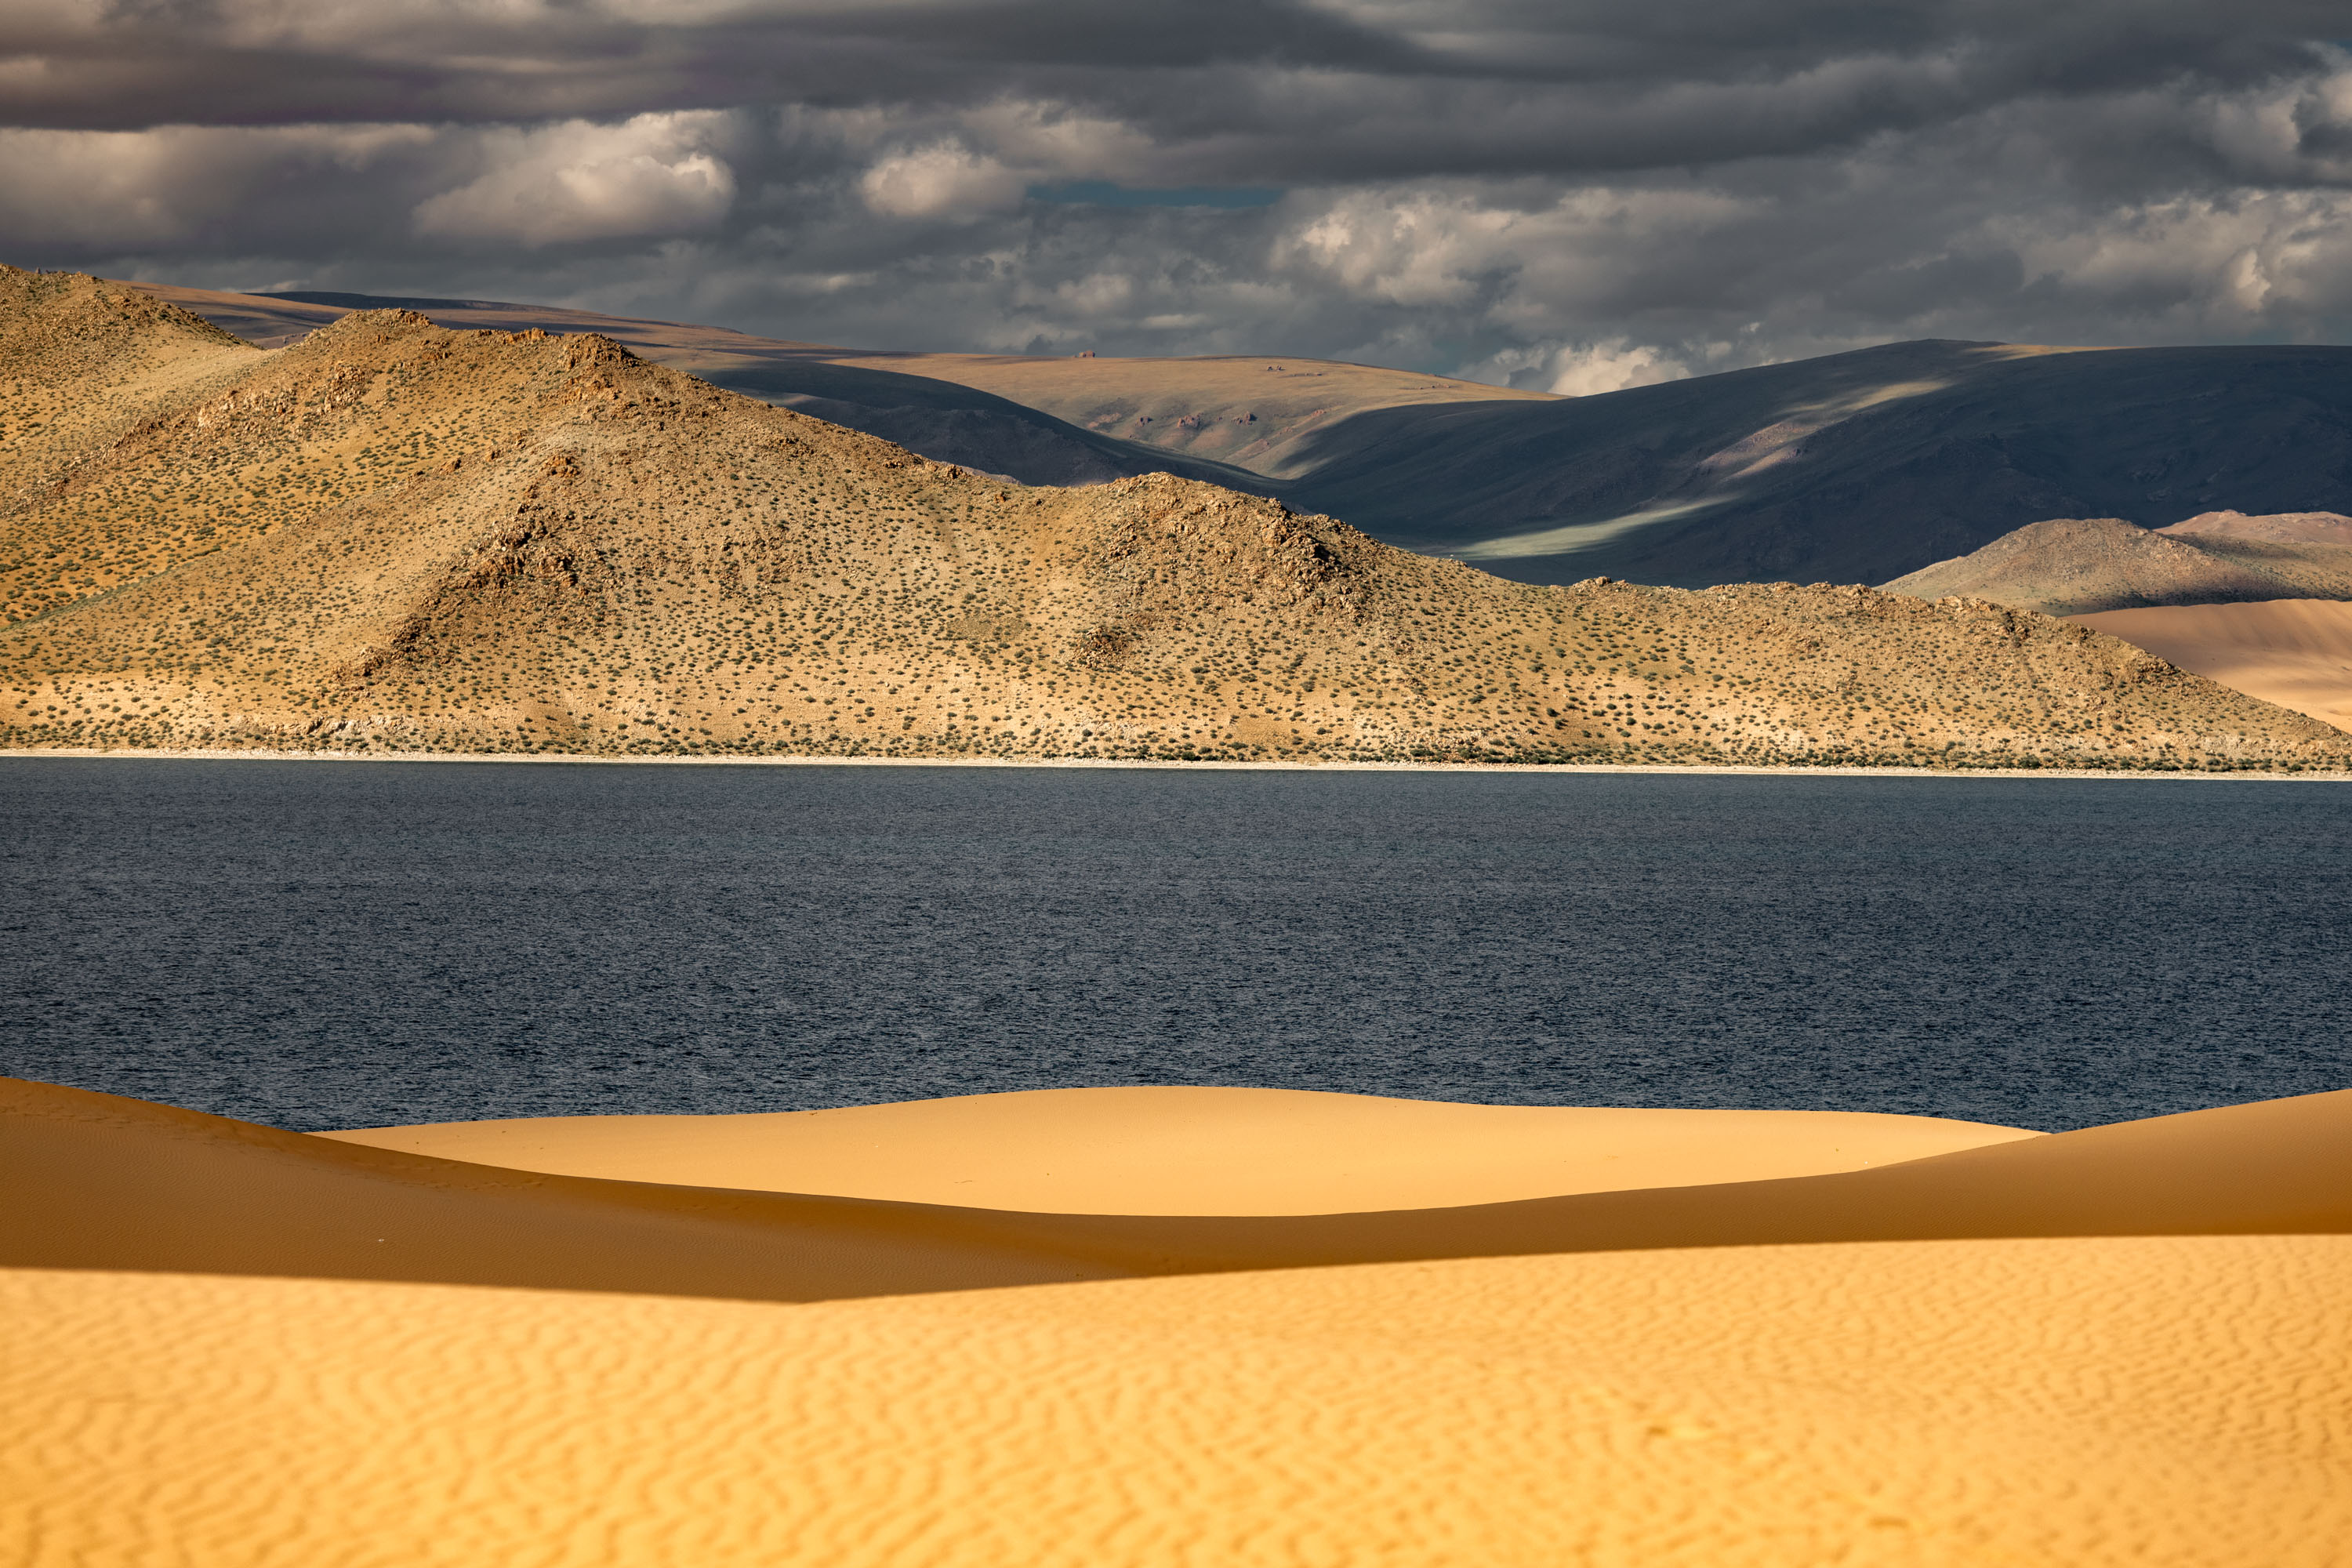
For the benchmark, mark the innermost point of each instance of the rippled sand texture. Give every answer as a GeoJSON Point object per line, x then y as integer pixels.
{"type": "Point", "coordinates": [2143, 1402]}
{"type": "Point", "coordinates": [1167, 1150]}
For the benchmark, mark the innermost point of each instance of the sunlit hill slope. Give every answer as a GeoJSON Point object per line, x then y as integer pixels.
{"type": "Point", "coordinates": [2074, 566]}
{"type": "Point", "coordinates": [387, 534]}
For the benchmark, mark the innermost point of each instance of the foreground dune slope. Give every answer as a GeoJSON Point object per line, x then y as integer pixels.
{"type": "Point", "coordinates": [98, 1181]}
{"type": "Point", "coordinates": [101, 1182]}
{"type": "Point", "coordinates": [2148, 1401]}
{"type": "Point", "coordinates": [1166, 1150]}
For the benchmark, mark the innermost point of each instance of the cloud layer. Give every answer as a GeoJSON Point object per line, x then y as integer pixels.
{"type": "Point", "coordinates": [1576, 195]}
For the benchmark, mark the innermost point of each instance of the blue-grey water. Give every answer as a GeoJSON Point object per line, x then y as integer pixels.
{"type": "Point", "coordinates": [320, 944]}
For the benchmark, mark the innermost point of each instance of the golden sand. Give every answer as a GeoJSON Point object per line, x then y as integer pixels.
{"type": "Point", "coordinates": [1174, 1151]}
{"type": "Point", "coordinates": [100, 1182]}
{"type": "Point", "coordinates": [2168, 1401]}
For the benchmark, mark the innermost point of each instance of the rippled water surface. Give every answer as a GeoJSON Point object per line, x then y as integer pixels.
{"type": "Point", "coordinates": [321, 945]}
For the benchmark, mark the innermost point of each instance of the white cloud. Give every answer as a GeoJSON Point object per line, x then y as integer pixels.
{"type": "Point", "coordinates": [1416, 247]}
{"type": "Point", "coordinates": [2200, 267]}
{"type": "Point", "coordinates": [941, 181]}
{"type": "Point", "coordinates": [1610, 367]}
{"type": "Point", "coordinates": [652, 175]}
{"type": "Point", "coordinates": [1578, 370]}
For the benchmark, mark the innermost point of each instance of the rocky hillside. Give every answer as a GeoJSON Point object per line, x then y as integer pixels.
{"type": "Point", "coordinates": [389, 535]}
{"type": "Point", "coordinates": [894, 396]}
{"type": "Point", "coordinates": [2072, 567]}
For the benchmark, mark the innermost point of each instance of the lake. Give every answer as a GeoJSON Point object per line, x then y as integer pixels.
{"type": "Point", "coordinates": [328, 944]}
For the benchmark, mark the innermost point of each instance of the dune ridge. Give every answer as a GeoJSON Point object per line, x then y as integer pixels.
{"type": "Point", "coordinates": [109, 1183]}
{"type": "Point", "coordinates": [1194, 1151]}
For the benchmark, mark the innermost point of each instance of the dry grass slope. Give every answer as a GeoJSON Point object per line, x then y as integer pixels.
{"type": "Point", "coordinates": [392, 536]}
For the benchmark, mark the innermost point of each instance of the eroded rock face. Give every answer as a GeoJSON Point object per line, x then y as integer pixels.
{"type": "Point", "coordinates": [390, 535]}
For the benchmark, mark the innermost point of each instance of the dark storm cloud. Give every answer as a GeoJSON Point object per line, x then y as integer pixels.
{"type": "Point", "coordinates": [1562, 194]}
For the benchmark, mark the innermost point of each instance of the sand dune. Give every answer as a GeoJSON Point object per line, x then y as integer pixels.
{"type": "Point", "coordinates": [2160, 1379]}
{"type": "Point", "coordinates": [100, 1182]}
{"type": "Point", "coordinates": [2296, 653]}
{"type": "Point", "coordinates": [1196, 1151]}
{"type": "Point", "coordinates": [2148, 1402]}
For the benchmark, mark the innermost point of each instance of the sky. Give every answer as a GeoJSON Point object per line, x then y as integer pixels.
{"type": "Point", "coordinates": [1575, 196]}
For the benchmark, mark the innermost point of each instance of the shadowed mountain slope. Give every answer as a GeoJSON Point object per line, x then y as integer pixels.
{"type": "Point", "coordinates": [2072, 567]}
{"type": "Point", "coordinates": [392, 535]}
{"type": "Point", "coordinates": [1061, 419]}
{"type": "Point", "coordinates": [1856, 466]}
{"type": "Point", "coordinates": [1265, 416]}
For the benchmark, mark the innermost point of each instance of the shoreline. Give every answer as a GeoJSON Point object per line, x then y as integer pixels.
{"type": "Point", "coordinates": [259, 754]}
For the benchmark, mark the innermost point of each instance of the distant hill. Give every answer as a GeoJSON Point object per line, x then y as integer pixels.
{"type": "Point", "coordinates": [2072, 567]}
{"type": "Point", "coordinates": [1269, 415]}
{"type": "Point", "coordinates": [1854, 468]}
{"type": "Point", "coordinates": [1237, 421]}
{"type": "Point", "coordinates": [389, 535]}
{"type": "Point", "coordinates": [1850, 468]}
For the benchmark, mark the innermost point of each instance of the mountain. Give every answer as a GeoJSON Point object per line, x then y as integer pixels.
{"type": "Point", "coordinates": [389, 535]}
{"type": "Point", "coordinates": [1854, 467]}
{"type": "Point", "coordinates": [1857, 466]}
{"type": "Point", "coordinates": [2216, 529]}
{"type": "Point", "coordinates": [2072, 567]}
{"type": "Point", "coordinates": [942, 419]}
{"type": "Point", "coordinates": [2254, 603]}
{"type": "Point", "coordinates": [1059, 419]}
